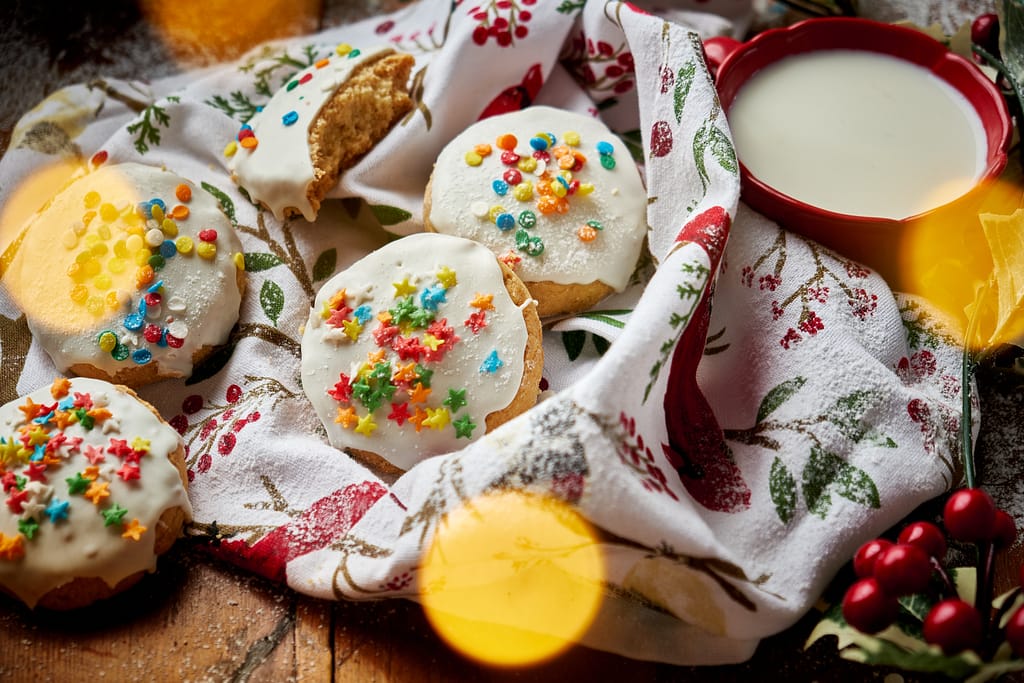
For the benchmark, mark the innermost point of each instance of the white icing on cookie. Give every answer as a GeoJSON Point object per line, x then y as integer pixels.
{"type": "Point", "coordinates": [278, 170]}
{"type": "Point", "coordinates": [432, 383]}
{"type": "Point", "coordinates": [99, 258]}
{"type": "Point", "coordinates": [465, 191]}
{"type": "Point", "coordinates": [53, 530]}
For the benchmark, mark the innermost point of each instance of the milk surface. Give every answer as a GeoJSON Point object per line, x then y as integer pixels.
{"type": "Point", "coordinates": [858, 132]}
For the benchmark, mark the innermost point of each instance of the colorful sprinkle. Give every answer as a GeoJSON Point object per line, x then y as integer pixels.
{"type": "Point", "coordinates": [290, 118]}
{"type": "Point", "coordinates": [506, 141]}
{"type": "Point", "coordinates": [207, 250]}
{"type": "Point", "coordinates": [464, 427]}
{"type": "Point", "coordinates": [343, 49]}
{"type": "Point", "coordinates": [473, 159]}
{"type": "Point", "coordinates": [492, 363]}
{"type": "Point", "coordinates": [183, 192]}
{"type": "Point", "coordinates": [505, 221]}
{"type": "Point", "coordinates": [500, 187]}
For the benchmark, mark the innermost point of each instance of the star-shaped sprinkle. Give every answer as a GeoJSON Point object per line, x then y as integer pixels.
{"type": "Point", "coordinates": [16, 501]}
{"type": "Point", "coordinates": [432, 342]}
{"type": "Point", "coordinates": [432, 297]}
{"type": "Point", "coordinates": [94, 454]}
{"type": "Point", "coordinates": [83, 400]}
{"type": "Point", "coordinates": [57, 510]}
{"type": "Point", "coordinates": [129, 472]}
{"type": "Point", "coordinates": [75, 441]}
{"type": "Point", "coordinates": [38, 453]}
{"type": "Point", "coordinates": [352, 329]}
{"type": "Point", "coordinates": [113, 514]}
{"type": "Point", "coordinates": [424, 375]}
{"type": "Point", "coordinates": [36, 471]}
{"type": "Point", "coordinates": [84, 419]}
{"type": "Point", "coordinates": [65, 418]}
{"type": "Point", "coordinates": [477, 321]}
{"type": "Point", "coordinates": [338, 300]}
{"type": "Point", "coordinates": [347, 417]}
{"type": "Point", "coordinates": [97, 492]}
{"type": "Point", "coordinates": [99, 414]}
{"type": "Point", "coordinates": [421, 317]}
{"type": "Point", "coordinates": [403, 288]}
{"type": "Point", "coordinates": [363, 314]}
{"type": "Point", "coordinates": [92, 472]}
{"type": "Point", "coordinates": [464, 427]}
{"type": "Point", "coordinates": [11, 547]}
{"type": "Point", "coordinates": [419, 393]}
{"type": "Point", "coordinates": [456, 399]}
{"type": "Point", "coordinates": [9, 480]}
{"type": "Point", "coordinates": [375, 357]}
{"type": "Point", "coordinates": [417, 418]}
{"type": "Point", "coordinates": [492, 363]}
{"type": "Point", "coordinates": [9, 451]}
{"type": "Point", "coordinates": [43, 419]}
{"type": "Point", "coordinates": [366, 425]}
{"type": "Point", "coordinates": [30, 409]}
{"type": "Point", "coordinates": [404, 373]}
{"type": "Point", "coordinates": [28, 527]}
{"type": "Point", "coordinates": [133, 530]}
{"type": "Point", "coordinates": [485, 302]}
{"type": "Point", "coordinates": [140, 444]}
{"type": "Point", "coordinates": [437, 418]}
{"type": "Point", "coordinates": [403, 310]}
{"type": "Point", "coordinates": [446, 276]}
{"type": "Point", "coordinates": [38, 437]}
{"type": "Point", "coordinates": [399, 413]}
{"type": "Point", "coordinates": [407, 348]}
{"type": "Point", "coordinates": [59, 389]}
{"type": "Point", "coordinates": [77, 483]}
{"type": "Point", "coordinates": [342, 390]}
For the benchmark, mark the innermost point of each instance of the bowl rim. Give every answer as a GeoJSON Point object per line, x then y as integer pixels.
{"type": "Point", "coordinates": [856, 33]}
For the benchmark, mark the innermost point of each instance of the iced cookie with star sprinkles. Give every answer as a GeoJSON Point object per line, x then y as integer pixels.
{"type": "Point", "coordinates": [554, 194]}
{"type": "Point", "coordinates": [294, 149]}
{"type": "Point", "coordinates": [93, 487]}
{"type": "Point", "coordinates": [130, 274]}
{"type": "Point", "coordinates": [419, 348]}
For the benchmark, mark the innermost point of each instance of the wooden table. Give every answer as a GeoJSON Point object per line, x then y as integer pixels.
{"type": "Point", "coordinates": [198, 619]}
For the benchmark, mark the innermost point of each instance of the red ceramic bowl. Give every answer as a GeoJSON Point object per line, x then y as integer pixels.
{"type": "Point", "coordinates": [871, 240]}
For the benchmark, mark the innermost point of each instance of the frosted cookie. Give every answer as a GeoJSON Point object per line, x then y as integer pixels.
{"type": "Point", "coordinates": [420, 347]}
{"type": "Point", "coordinates": [554, 194]}
{"type": "Point", "coordinates": [94, 490]}
{"type": "Point", "coordinates": [291, 153]}
{"type": "Point", "coordinates": [130, 274]}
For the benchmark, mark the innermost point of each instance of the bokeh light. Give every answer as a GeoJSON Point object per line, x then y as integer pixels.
{"type": "Point", "coordinates": [512, 579]}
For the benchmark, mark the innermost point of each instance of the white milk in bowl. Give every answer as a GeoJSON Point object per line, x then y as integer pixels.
{"type": "Point", "coordinates": [858, 132]}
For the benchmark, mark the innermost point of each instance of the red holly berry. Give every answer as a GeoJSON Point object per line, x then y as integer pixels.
{"type": "Point", "coordinates": [1015, 630]}
{"type": "Point", "coordinates": [903, 569]}
{"type": "Point", "coordinates": [969, 516]}
{"type": "Point", "coordinates": [925, 536]}
{"type": "Point", "coordinates": [864, 559]}
{"type": "Point", "coordinates": [233, 393]}
{"type": "Point", "coordinates": [226, 444]}
{"type": "Point", "coordinates": [1005, 530]}
{"type": "Point", "coordinates": [661, 139]}
{"type": "Point", "coordinates": [953, 625]}
{"type": "Point", "coordinates": [985, 33]}
{"type": "Point", "coordinates": [480, 35]}
{"type": "Point", "coordinates": [868, 608]}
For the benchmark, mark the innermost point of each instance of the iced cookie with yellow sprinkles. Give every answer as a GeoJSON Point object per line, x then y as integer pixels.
{"type": "Point", "coordinates": [419, 348]}
{"type": "Point", "coordinates": [554, 194]}
{"type": "Point", "coordinates": [130, 274]}
{"type": "Point", "coordinates": [93, 488]}
{"type": "Point", "coordinates": [293, 150]}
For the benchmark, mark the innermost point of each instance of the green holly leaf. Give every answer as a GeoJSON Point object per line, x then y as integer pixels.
{"type": "Point", "coordinates": [827, 473]}
{"type": "Point", "coordinates": [573, 342]}
{"type": "Point", "coordinates": [272, 300]}
{"type": "Point", "coordinates": [325, 264]}
{"type": "Point", "coordinates": [226, 205]}
{"type": "Point", "coordinates": [782, 488]}
{"type": "Point", "coordinates": [389, 215]}
{"type": "Point", "coordinates": [778, 395]}
{"type": "Point", "coordinates": [255, 262]}
{"type": "Point", "coordinates": [684, 80]}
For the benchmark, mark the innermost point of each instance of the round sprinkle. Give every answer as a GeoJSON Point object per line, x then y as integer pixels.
{"type": "Point", "coordinates": [512, 176]}
{"type": "Point", "coordinates": [69, 239]}
{"type": "Point", "coordinates": [483, 149]}
{"type": "Point", "coordinates": [108, 212]}
{"type": "Point", "coordinates": [473, 159]}
{"type": "Point", "coordinates": [120, 352]}
{"type": "Point", "coordinates": [249, 143]}
{"type": "Point", "coordinates": [184, 244]}
{"type": "Point", "coordinates": [585, 188]}
{"type": "Point", "coordinates": [507, 142]}
{"type": "Point", "coordinates": [207, 250]}
{"type": "Point", "coordinates": [343, 49]}
{"type": "Point", "coordinates": [306, 78]}
{"type": "Point", "coordinates": [183, 192]}
{"type": "Point", "coordinates": [114, 300]}
{"type": "Point", "coordinates": [510, 158]}
{"type": "Point", "coordinates": [239, 259]}
{"type": "Point", "coordinates": [494, 212]}
{"type": "Point", "coordinates": [156, 213]}
{"type": "Point", "coordinates": [355, 53]}
{"type": "Point", "coordinates": [605, 147]}
{"type": "Point", "coordinates": [527, 219]}
{"type": "Point", "coordinates": [523, 191]}
{"type": "Point", "coordinates": [292, 85]}
{"type": "Point", "coordinates": [79, 293]}
{"type": "Point", "coordinates": [133, 322]}
{"type": "Point", "coordinates": [596, 225]}
{"type": "Point", "coordinates": [144, 276]}
{"type": "Point", "coordinates": [116, 265]}
{"type": "Point", "coordinates": [500, 187]}
{"type": "Point", "coordinates": [230, 149]}
{"type": "Point", "coordinates": [586, 233]}
{"type": "Point", "coordinates": [245, 132]}
{"type": "Point", "coordinates": [154, 238]}
{"type": "Point", "coordinates": [92, 199]}
{"type": "Point", "coordinates": [107, 341]}
{"type": "Point", "coordinates": [208, 235]}
{"type": "Point", "coordinates": [141, 257]}
{"type": "Point", "coordinates": [141, 356]}
{"type": "Point", "coordinates": [99, 157]}
{"type": "Point", "coordinates": [539, 143]}
{"type": "Point", "coordinates": [179, 213]}
{"type": "Point", "coordinates": [157, 262]}
{"type": "Point", "coordinates": [169, 227]}
{"type": "Point", "coordinates": [102, 282]}
{"type": "Point", "coordinates": [527, 164]}
{"type": "Point", "coordinates": [174, 342]}
{"type": "Point", "coordinates": [322, 63]}
{"type": "Point", "coordinates": [607, 161]}
{"type": "Point", "coordinates": [153, 299]}
{"type": "Point", "coordinates": [505, 221]}
{"type": "Point", "coordinates": [177, 329]}
{"type": "Point", "coordinates": [290, 118]}
{"type": "Point", "coordinates": [571, 138]}
{"type": "Point", "coordinates": [152, 333]}
{"type": "Point", "coordinates": [479, 209]}
{"type": "Point", "coordinates": [133, 244]}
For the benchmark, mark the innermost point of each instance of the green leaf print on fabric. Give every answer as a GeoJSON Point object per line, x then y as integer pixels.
{"type": "Point", "coordinates": [325, 264]}
{"type": "Point", "coordinates": [782, 488]}
{"type": "Point", "coordinates": [254, 263]}
{"type": "Point", "coordinates": [147, 129]}
{"type": "Point", "coordinates": [226, 205]}
{"type": "Point", "coordinates": [237, 105]}
{"type": "Point", "coordinates": [713, 140]}
{"type": "Point", "coordinates": [684, 79]}
{"type": "Point", "coordinates": [778, 395]}
{"type": "Point", "coordinates": [272, 300]}
{"type": "Point", "coordinates": [389, 215]}
{"type": "Point", "coordinates": [827, 473]}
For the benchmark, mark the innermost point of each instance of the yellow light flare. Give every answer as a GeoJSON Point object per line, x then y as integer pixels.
{"type": "Point", "coordinates": [947, 257]}
{"type": "Point", "coordinates": [29, 196]}
{"type": "Point", "coordinates": [203, 33]}
{"type": "Point", "coordinates": [512, 579]}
